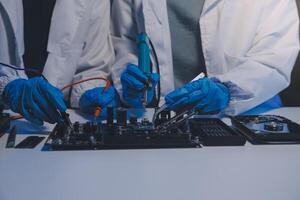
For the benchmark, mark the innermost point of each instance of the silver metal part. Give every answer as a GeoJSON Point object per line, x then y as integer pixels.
{"type": "Point", "coordinates": [158, 111]}
{"type": "Point", "coordinates": [165, 106]}
{"type": "Point", "coordinates": [175, 121]}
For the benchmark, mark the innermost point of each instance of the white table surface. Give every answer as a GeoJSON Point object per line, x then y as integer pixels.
{"type": "Point", "coordinates": [209, 173]}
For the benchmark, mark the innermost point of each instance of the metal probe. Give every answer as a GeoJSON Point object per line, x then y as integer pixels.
{"type": "Point", "coordinates": [66, 119]}
{"type": "Point", "coordinates": [165, 106]}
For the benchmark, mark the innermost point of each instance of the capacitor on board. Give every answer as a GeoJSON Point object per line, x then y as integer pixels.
{"type": "Point", "coordinates": [121, 117]}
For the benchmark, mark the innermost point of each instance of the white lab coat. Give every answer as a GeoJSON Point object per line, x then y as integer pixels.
{"type": "Point", "coordinates": [79, 44]}
{"type": "Point", "coordinates": [250, 45]}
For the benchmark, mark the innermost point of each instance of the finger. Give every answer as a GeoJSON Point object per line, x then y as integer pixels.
{"type": "Point", "coordinates": [57, 99]}
{"type": "Point", "coordinates": [132, 82]}
{"type": "Point", "coordinates": [54, 96]}
{"type": "Point", "coordinates": [198, 84]}
{"type": "Point", "coordinates": [36, 107]}
{"type": "Point", "coordinates": [54, 100]}
{"type": "Point", "coordinates": [150, 94]}
{"type": "Point", "coordinates": [89, 97]}
{"type": "Point", "coordinates": [217, 104]}
{"type": "Point", "coordinates": [209, 103]}
{"type": "Point", "coordinates": [47, 108]}
{"type": "Point", "coordinates": [188, 100]}
{"type": "Point", "coordinates": [134, 71]}
{"type": "Point", "coordinates": [103, 114]}
{"type": "Point", "coordinates": [15, 103]}
{"type": "Point", "coordinates": [176, 95]}
{"type": "Point", "coordinates": [96, 98]}
{"type": "Point", "coordinates": [196, 96]}
{"type": "Point", "coordinates": [179, 104]}
{"type": "Point", "coordinates": [132, 98]}
{"type": "Point", "coordinates": [25, 107]}
{"type": "Point", "coordinates": [106, 98]}
{"type": "Point", "coordinates": [155, 78]}
{"type": "Point", "coordinates": [89, 109]}
{"type": "Point", "coordinates": [88, 105]}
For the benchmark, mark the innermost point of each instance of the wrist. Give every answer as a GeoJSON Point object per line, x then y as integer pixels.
{"type": "Point", "coordinates": [224, 95]}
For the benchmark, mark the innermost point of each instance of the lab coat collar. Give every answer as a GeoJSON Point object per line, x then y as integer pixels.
{"type": "Point", "coordinates": [208, 5]}
{"type": "Point", "coordinates": [158, 10]}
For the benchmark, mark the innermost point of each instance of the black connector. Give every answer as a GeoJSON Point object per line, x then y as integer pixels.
{"type": "Point", "coordinates": [66, 119]}
{"type": "Point", "coordinates": [11, 138]}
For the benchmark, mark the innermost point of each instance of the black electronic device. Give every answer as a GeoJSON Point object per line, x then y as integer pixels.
{"type": "Point", "coordinates": [1, 134]}
{"type": "Point", "coordinates": [88, 136]}
{"type": "Point", "coordinates": [214, 132]}
{"type": "Point", "coordinates": [128, 132]}
{"type": "Point", "coordinates": [11, 137]}
{"type": "Point", "coordinates": [267, 129]}
{"type": "Point", "coordinates": [4, 121]}
{"type": "Point", "coordinates": [29, 142]}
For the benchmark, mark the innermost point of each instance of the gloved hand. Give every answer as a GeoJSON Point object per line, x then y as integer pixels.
{"type": "Point", "coordinates": [133, 85]}
{"type": "Point", "coordinates": [208, 96]}
{"type": "Point", "coordinates": [97, 98]}
{"type": "Point", "coordinates": [35, 99]}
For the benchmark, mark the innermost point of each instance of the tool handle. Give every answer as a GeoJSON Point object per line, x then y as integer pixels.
{"type": "Point", "coordinates": [144, 52]}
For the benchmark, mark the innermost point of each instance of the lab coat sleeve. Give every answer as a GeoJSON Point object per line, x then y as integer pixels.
{"type": "Point", "coordinates": [7, 75]}
{"type": "Point", "coordinates": [124, 31]}
{"type": "Point", "coordinates": [266, 68]}
{"type": "Point", "coordinates": [8, 54]}
{"type": "Point", "coordinates": [97, 56]}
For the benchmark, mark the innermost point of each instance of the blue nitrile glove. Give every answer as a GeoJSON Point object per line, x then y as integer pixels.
{"type": "Point", "coordinates": [97, 98]}
{"type": "Point", "coordinates": [209, 96]}
{"type": "Point", "coordinates": [133, 84]}
{"type": "Point", "coordinates": [35, 99]}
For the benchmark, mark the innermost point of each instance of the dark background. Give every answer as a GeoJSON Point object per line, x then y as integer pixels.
{"type": "Point", "coordinates": [291, 95]}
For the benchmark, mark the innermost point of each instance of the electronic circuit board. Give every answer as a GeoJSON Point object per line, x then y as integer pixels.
{"type": "Point", "coordinates": [129, 132]}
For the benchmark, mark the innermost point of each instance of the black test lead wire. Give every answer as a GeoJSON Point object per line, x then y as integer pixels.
{"type": "Point", "coordinates": [22, 69]}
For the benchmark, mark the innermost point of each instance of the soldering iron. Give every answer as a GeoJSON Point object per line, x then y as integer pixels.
{"type": "Point", "coordinates": [144, 61]}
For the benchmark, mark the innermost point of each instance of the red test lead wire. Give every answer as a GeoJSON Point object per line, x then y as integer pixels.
{"type": "Point", "coordinates": [98, 109]}
{"type": "Point", "coordinates": [107, 85]}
